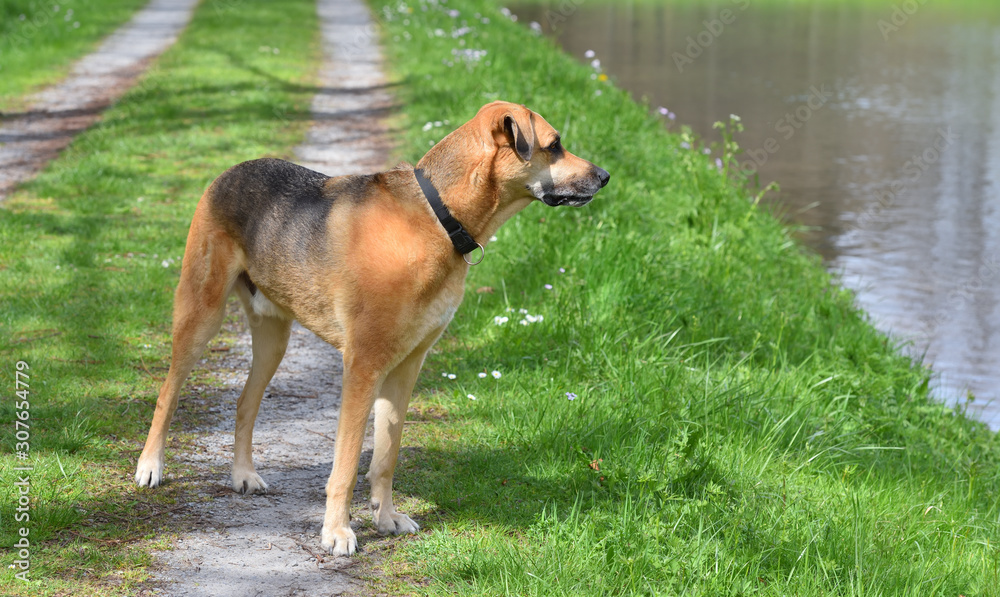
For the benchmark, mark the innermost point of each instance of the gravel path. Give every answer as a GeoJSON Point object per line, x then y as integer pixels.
{"type": "Point", "coordinates": [270, 544]}
{"type": "Point", "coordinates": [348, 137]}
{"type": "Point", "coordinates": [30, 139]}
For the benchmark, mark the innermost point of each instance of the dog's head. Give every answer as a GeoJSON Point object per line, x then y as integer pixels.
{"type": "Point", "coordinates": [529, 160]}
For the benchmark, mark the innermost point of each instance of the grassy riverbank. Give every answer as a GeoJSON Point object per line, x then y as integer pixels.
{"type": "Point", "coordinates": [89, 256]}
{"type": "Point", "coordinates": [39, 41]}
{"type": "Point", "coordinates": [738, 427]}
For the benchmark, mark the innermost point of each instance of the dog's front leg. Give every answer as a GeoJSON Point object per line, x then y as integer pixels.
{"type": "Point", "coordinates": [360, 385]}
{"type": "Point", "coordinates": [390, 414]}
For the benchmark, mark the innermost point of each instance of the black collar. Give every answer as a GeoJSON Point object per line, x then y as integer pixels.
{"type": "Point", "coordinates": [463, 241]}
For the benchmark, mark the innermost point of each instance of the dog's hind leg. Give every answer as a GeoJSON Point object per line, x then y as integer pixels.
{"type": "Point", "coordinates": [270, 339]}
{"type": "Point", "coordinates": [207, 276]}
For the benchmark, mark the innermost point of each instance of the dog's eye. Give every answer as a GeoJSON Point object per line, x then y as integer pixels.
{"type": "Point", "coordinates": [555, 146]}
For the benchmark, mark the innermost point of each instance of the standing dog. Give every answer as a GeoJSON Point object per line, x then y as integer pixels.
{"type": "Point", "coordinates": [373, 264]}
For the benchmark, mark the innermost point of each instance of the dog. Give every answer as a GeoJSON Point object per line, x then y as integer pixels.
{"type": "Point", "coordinates": [373, 264]}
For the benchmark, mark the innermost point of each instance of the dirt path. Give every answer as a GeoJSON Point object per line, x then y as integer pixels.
{"type": "Point", "coordinates": [270, 544]}
{"type": "Point", "coordinates": [30, 139]}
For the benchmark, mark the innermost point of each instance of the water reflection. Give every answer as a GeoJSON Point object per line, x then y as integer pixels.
{"type": "Point", "coordinates": [884, 137]}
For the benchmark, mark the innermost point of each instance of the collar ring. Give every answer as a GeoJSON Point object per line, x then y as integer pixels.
{"type": "Point", "coordinates": [481, 256]}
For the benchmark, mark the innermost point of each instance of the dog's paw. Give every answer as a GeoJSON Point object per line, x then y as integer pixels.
{"type": "Point", "coordinates": [395, 523]}
{"type": "Point", "coordinates": [149, 472]}
{"type": "Point", "coordinates": [248, 481]}
{"type": "Point", "coordinates": [340, 541]}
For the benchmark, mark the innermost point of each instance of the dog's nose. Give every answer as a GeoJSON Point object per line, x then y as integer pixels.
{"type": "Point", "coordinates": [603, 176]}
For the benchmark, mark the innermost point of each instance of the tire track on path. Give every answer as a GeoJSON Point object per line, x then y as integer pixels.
{"type": "Point", "coordinates": [270, 544]}
{"type": "Point", "coordinates": [32, 138]}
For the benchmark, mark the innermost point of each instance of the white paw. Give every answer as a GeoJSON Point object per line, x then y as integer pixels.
{"type": "Point", "coordinates": [395, 523]}
{"type": "Point", "coordinates": [340, 541]}
{"type": "Point", "coordinates": [248, 481]}
{"type": "Point", "coordinates": [149, 472]}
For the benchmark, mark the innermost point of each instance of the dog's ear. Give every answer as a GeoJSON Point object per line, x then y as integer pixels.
{"type": "Point", "coordinates": [508, 124]}
{"type": "Point", "coordinates": [520, 134]}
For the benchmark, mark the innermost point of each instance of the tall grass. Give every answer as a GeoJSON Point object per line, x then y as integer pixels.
{"type": "Point", "coordinates": [738, 426]}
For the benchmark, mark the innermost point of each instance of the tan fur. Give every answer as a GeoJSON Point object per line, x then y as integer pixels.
{"type": "Point", "coordinates": [382, 290]}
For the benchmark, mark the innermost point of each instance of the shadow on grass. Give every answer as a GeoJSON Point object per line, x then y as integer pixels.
{"type": "Point", "coordinates": [701, 501]}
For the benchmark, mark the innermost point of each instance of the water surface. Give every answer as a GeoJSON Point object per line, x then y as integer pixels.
{"type": "Point", "coordinates": [882, 129]}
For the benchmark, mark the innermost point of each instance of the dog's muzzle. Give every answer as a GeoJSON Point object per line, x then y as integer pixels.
{"type": "Point", "coordinates": [579, 199]}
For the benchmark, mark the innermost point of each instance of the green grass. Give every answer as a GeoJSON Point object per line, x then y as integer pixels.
{"type": "Point", "coordinates": [89, 257]}
{"type": "Point", "coordinates": [39, 48]}
{"type": "Point", "coordinates": [740, 428]}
